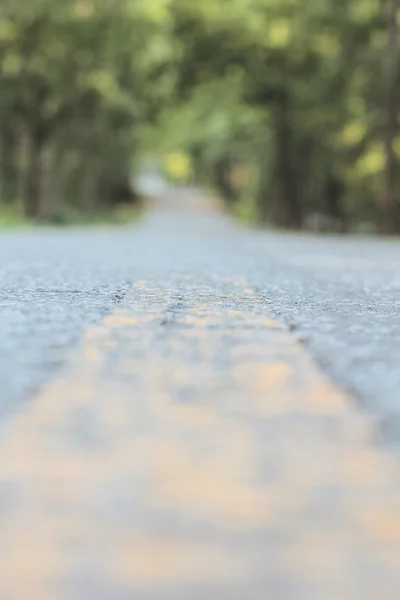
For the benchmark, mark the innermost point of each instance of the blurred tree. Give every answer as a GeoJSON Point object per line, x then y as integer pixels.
{"type": "Point", "coordinates": [312, 69]}
{"type": "Point", "coordinates": [77, 81]}
{"type": "Point", "coordinates": [390, 204]}
{"type": "Point", "coordinates": [299, 97]}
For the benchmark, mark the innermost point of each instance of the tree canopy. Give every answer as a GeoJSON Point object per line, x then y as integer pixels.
{"type": "Point", "coordinates": [288, 107]}
{"type": "Point", "coordinates": [79, 79]}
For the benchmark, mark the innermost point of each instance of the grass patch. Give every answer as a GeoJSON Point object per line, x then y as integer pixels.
{"type": "Point", "coordinates": [12, 218]}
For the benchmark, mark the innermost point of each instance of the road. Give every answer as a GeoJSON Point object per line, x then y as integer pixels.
{"type": "Point", "coordinates": [192, 409]}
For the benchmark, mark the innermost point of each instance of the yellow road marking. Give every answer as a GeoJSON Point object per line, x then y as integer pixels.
{"type": "Point", "coordinates": [146, 463]}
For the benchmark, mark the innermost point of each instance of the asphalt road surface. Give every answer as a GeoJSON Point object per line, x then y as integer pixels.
{"type": "Point", "coordinates": [191, 409]}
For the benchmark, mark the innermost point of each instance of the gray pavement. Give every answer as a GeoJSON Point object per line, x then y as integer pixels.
{"type": "Point", "coordinates": [340, 296]}
{"type": "Point", "coordinates": [166, 436]}
{"type": "Point", "coordinates": [54, 284]}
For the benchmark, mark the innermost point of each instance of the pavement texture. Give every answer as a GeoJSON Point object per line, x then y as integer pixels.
{"type": "Point", "coordinates": [194, 410]}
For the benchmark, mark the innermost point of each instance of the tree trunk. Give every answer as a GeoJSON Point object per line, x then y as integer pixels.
{"type": "Point", "coordinates": [391, 107]}
{"type": "Point", "coordinates": [53, 167]}
{"type": "Point", "coordinates": [335, 205]}
{"type": "Point", "coordinates": [222, 175]}
{"type": "Point", "coordinates": [89, 199]}
{"type": "Point", "coordinates": [286, 207]}
{"type": "Point", "coordinates": [197, 165]}
{"type": "Point", "coordinates": [2, 165]}
{"type": "Point", "coordinates": [264, 189]}
{"type": "Point", "coordinates": [305, 175]}
{"type": "Point", "coordinates": [8, 166]}
{"type": "Point", "coordinates": [32, 191]}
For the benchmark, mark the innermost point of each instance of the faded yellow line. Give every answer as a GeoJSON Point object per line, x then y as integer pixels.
{"type": "Point", "coordinates": [177, 455]}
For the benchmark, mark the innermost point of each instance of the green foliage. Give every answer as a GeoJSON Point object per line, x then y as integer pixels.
{"type": "Point", "coordinates": [288, 107]}
{"type": "Point", "coordinates": [295, 88]}
{"type": "Point", "coordinates": [78, 80]}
